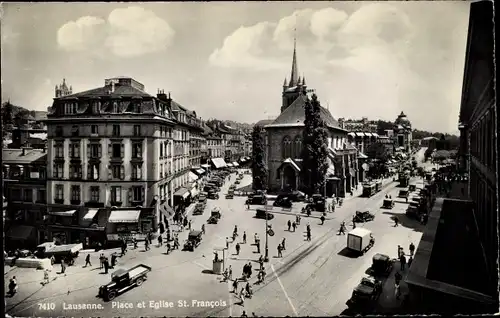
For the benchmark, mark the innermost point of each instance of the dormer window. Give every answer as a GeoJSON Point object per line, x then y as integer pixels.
{"type": "Point", "coordinates": [115, 107]}
{"type": "Point", "coordinates": [69, 108]}
{"type": "Point", "coordinates": [96, 107]}
{"type": "Point", "coordinates": [138, 108]}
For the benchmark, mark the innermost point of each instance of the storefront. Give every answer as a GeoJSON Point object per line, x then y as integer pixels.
{"type": "Point", "coordinates": [181, 197]}
{"type": "Point", "coordinates": [123, 223]}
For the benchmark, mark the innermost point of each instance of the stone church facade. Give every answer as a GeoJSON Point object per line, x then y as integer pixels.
{"type": "Point", "coordinates": [284, 143]}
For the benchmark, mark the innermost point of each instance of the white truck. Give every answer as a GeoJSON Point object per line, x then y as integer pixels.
{"type": "Point", "coordinates": [360, 240]}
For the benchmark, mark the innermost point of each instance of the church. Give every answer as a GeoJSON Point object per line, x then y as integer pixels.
{"type": "Point", "coordinates": [283, 140]}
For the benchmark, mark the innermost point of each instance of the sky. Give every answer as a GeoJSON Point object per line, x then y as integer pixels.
{"type": "Point", "coordinates": [228, 60]}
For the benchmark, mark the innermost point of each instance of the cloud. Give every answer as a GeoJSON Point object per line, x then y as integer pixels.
{"type": "Point", "coordinates": [127, 32]}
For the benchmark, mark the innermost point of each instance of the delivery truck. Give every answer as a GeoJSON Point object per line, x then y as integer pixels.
{"type": "Point", "coordinates": [360, 240]}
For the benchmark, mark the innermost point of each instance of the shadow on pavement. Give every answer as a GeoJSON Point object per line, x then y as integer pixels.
{"type": "Point", "coordinates": [348, 253]}
{"type": "Point", "coordinates": [207, 271]}
{"type": "Point", "coordinates": [406, 221]}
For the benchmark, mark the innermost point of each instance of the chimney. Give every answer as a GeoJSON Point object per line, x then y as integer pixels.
{"type": "Point", "coordinates": [112, 87]}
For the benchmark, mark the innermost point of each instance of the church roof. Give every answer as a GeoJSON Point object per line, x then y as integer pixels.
{"type": "Point", "coordinates": [294, 115]}
{"type": "Point", "coordinates": [264, 122]}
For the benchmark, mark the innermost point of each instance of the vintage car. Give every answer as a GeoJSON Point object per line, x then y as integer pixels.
{"type": "Point", "coordinates": [363, 216]}
{"type": "Point", "coordinates": [210, 187]}
{"type": "Point", "coordinates": [215, 215]}
{"type": "Point", "coordinates": [237, 182]}
{"type": "Point", "coordinates": [388, 203]}
{"type": "Point", "coordinates": [202, 197]}
{"type": "Point", "coordinates": [318, 203]}
{"type": "Point", "coordinates": [262, 214]}
{"type": "Point", "coordinates": [258, 199]}
{"type": "Point", "coordinates": [213, 195]}
{"type": "Point", "coordinates": [122, 280]}
{"type": "Point", "coordinates": [413, 210]}
{"type": "Point", "coordinates": [232, 187]}
{"type": "Point", "coordinates": [240, 177]}
{"type": "Point", "coordinates": [365, 295]}
{"type": "Point", "coordinates": [193, 240]}
{"type": "Point", "coordinates": [412, 187]}
{"type": "Point", "coordinates": [230, 195]}
{"type": "Point", "coordinates": [199, 208]}
{"type": "Point", "coordinates": [381, 265]}
{"type": "Point", "coordinates": [284, 202]}
{"type": "Point", "coordinates": [403, 193]}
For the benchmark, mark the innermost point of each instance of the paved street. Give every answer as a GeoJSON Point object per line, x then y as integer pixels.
{"type": "Point", "coordinates": [312, 278]}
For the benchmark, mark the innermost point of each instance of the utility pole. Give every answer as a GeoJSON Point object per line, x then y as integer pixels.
{"type": "Point", "coordinates": [266, 257]}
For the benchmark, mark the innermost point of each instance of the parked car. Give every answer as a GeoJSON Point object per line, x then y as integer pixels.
{"type": "Point", "coordinates": [215, 216]}
{"type": "Point", "coordinates": [261, 214]}
{"type": "Point", "coordinates": [381, 264]}
{"type": "Point", "coordinates": [284, 202]}
{"type": "Point", "coordinates": [403, 193]}
{"type": "Point", "coordinates": [199, 209]}
{"type": "Point", "coordinates": [213, 195]}
{"type": "Point", "coordinates": [363, 216]}
{"type": "Point", "coordinates": [202, 197]}
{"type": "Point", "coordinates": [318, 203]}
{"type": "Point", "coordinates": [230, 195]}
{"type": "Point", "coordinates": [237, 182]}
{"type": "Point", "coordinates": [193, 240]}
{"type": "Point", "coordinates": [258, 199]}
{"type": "Point", "coordinates": [122, 280]}
{"type": "Point", "coordinates": [365, 295]}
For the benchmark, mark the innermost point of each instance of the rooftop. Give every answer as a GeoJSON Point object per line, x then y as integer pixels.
{"type": "Point", "coordinates": [106, 91]}
{"type": "Point", "coordinates": [15, 156]}
{"type": "Point", "coordinates": [294, 115]}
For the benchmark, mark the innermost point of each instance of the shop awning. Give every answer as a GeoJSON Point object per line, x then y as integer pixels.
{"type": "Point", "coordinates": [235, 164]}
{"type": "Point", "coordinates": [63, 213]}
{"type": "Point", "coordinates": [182, 192]}
{"type": "Point", "coordinates": [20, 232]}
{"type": "Point", "coordinates": [124, 216]}
{"type": "Point", "coordinates": [375, 135]}
{"type": "Point", "coordinates": [362, 155]}
{"type": "Point", "coordinates": [229, 165]}
{"type": "Point", "coordinates": [90, 214]}
{"type": "Point", "coordinates": [360, 134]}
{"type": "Point", "coordinates": [192, 176]}
{"type": "Point", "coordinates": [351, 134]}
{"type": "Point", "coordinates": [218, 163]}
{"type": "Point", "coordinates": [194, 192]}
{"type": "Point", "coordinates": [166, 210]}
{"type": "Point", "coordinates": [205, 166]}
{"type": "Point", "coordinates": [368, 134]}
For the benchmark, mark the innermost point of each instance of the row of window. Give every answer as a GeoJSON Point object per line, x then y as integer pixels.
{"type": "Point", "coordinates": [482, 143]}
{"type": "Point", "coordinates": [136, 194]}
{"type": "Point", "coordinates": [116, 171]}
{"type": "Point", "coordinates": [20, 172]}
{"type": "Point", "coordinates": [26, 195]}
{"type": "Point", "coordinates": [71, 108]}
{"type": "Point", "coordinates": [94, 150]}
{"type": "Point", "coordinates": [94, 130]}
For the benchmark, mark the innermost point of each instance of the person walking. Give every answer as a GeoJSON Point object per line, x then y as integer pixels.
{"type": "Point", "coordinates": [203, 228]}
{"type": "Point", "coordinates": [230, 272]}
{"type": "Point", "coordinates": [46, 278]}
{"type": "Point", "coordinates": [309, 235]}
{"type": "Point", "coordinates": [322, 219]}
{"type": "Point", "coordinates": [63, 266]}
{"type": "Point", "coordinates": [160, 240]}
{"type": "Point", "coordinates": [294, 226]}
{"type": "Point", "coordinates": [396, 221]}
{"type": "Point", "coordinates": [261, 262]}
{"type": "Point", "coordinates": [146, 244]}
{"type": "Point", "coordinates": [106, 265]}
{"type": "Point", "coordinates": [168, 248]}
{"type": "Point", "coordinates": [244, 237]}
{"type": "Point", "coordinates": [289, 223]}
{"type": "Point", "coordinates": [87, 261]}
{"type": "Point", "coordinates": [189, 225]}
{"type": "Point", "coordinates": [402, 260]}
{"type": "Point", "coordinates": [283, 245]}
{"type": "Point", "coordinates": [113, 260]}
{"type": "Point", "coordinates": [410, 260]}
{"type": "Point", "coordinates": [235, 286]}
{"type": "Point", "coordinates": [134, 240]}
{"type": "Point", "coordinates": [412, 249]}
{"type": "Point", "coordinates": [279, 251]}
{"type": "Point", "coordinates": [238, 247]}
{"type": "Point", "coordinates": [101, 260]}
{"type": "Point", "coordinates": [242, 296]}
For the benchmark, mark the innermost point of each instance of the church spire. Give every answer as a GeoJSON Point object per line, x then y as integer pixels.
{"type": "Point", "coordinates": [295, 72]}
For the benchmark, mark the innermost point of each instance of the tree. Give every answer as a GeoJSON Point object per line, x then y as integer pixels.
{"type": "Point", "coordinates": [383, 125]}
{"type": "Point", "coordinates": [315, 148]}
{"type": "Point", "coordinates": [7, 114]}
{"type": "Point", "coordinates": [378, 151]}
{"type": "Point", "coordinates": [259, 170]}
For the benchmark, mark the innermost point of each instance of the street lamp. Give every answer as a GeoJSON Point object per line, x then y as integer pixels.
{"type": "Point", "coordinates": [266, 257]}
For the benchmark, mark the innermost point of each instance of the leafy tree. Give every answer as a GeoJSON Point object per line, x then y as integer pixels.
{"type": "Point", "coordinates": [377, 170]}
{"type": "Point", "coordinates": [315, 148]}
{"type": "Point", "coordinates": [428, 152]}
{"type": "Point", "coordinates": [383, 125]}
{"type": "Point", "coordinates": [259, 170]}
{"type": "Point", "coordinates": [378, 151]}
{"type": "Point", "coordinates": [7, 114]}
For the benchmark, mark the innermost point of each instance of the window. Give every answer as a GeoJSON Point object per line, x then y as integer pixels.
{"type": "Point", "coordinates": [138, 108]}
{"type": "Point", "coordinates": [59, 150]}
{"type": "Point", "coordinates": [117, 151]}
{"type": "Point", "coordinates": [117, 172]}
{"type": "Point", "coordinates": [94, 194]}
{"type": "Point", "coordinates": [161, 150]}
{"type": "Point", "coordinates": [161, 170]}
{"type": "Point", "coordinates": [28, 195]}
{"type": "Point", "coordinates": [286, 147]}
{"type": "Point", "coordinates": [116, 194]}
{"type": "Point", "coordinates": [74, 150]}
{"type": "Point", "coordinates": [137, 130]}
{"type": "Point", "coordinates": [69, 108]}
{"type": "Point", "coordinates": [137, 150]}
{"type": "Point", "coordinates": [75, 131]}
{"type": "Point", "coordinates": [95, 150]}
{"type": "Point", "coordinates": [59, 131]}
{"type": "Point", "coordinates": [96, 107]}
{"type": "Point", "coordinates": [137, 194]}
{"type": "Point", "coordinates": [136, 171]}
{"type": "Point", "coordinates": [75, 171]}
{"type": "Point", "coordinates": [75, 193]}
{"type": "Point", "coordinates": [93, 171]}
{"type": "Point", "coordinates": [59, 192]}
{"type": "Point", "coordinates": [297, 147]}
{"type": "Point", "coordinates": [94, 129]}
{"type": "Point", "coordinates": [116, 130]}
{"type": "Point", "coordinates": [41, 195]}
{"type": "Point", "coordinates": [115, 107]}
{"type": "Point", "coordinates": [58, 171]}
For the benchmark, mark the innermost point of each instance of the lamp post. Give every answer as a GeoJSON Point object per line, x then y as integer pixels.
{"type": "Point", "coordinates": [266, 257]}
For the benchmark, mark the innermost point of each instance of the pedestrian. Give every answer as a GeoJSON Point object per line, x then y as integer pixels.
{"type": "Point", "coordinates": [410, 260]}
{"type": "Point", "coordinates": [235, 286]}
{"type": "Point", "coordinates": [258, 247]}
{"type": "Point", "coordinates": [46, 279]}
{"type": "Point", "coordinates": [397, 290]}
{"type": "Point", "coordinates": [261, 262]}
{"type": "Point", "coordinates": [402, 260]}
{"type": "Point", "coordinates": [244, 237]}
{"type": "Point", "coordinates": [203, 228]}
{"type": "Point", "coordinates": [309, 235]}
{"type": "Point", "coordinates": [279, 251]}
{"type": "Point", "coordinates": [398, 278]}
{"type": "Point", "coordinates": [134, 240]}
{"type": "Point", "coordinates": [189, 225]}
{"type": "Point", "coordinates": [294, 226]}
{"type": "Point", "coordinates": [289, 223]}
{"type": "Point", "coordinates": [244, 314]}
{"type": "Point", "coordinates": [308, 227]}
{"type": "Point", "coordinates": [242, 296]}
{"type": "Point", "coordinates": [160, 240]}
{"type": "Point", "coordinates": [396, 221]}
{"type": "Point", "coordinates": [150, 238]}
{"type": "Point", "coordinates": [338, 199]}
{"type": "Point", "coordinates": [87, 260]}
{"type": "Point", "coordinates": [238, 248]}
{"type": "Point", "coordinates": [146, 244]}
{"type": "Point", "coordinates": [101, 259]}
{"type": "Point", "coordinates": [283, 244]}
{"type": "Point", "coordinates": [168, 248]}
{"type": "Point", "coordinates": [230, 272]}
{"type": "Point", "coordinates": [399, 251]}
{"type": "Point", "coordinates": [113, 260]}
{"type": "Point", "coordinates": [255, 237]}
{"type": "Point", "coordinates": [322, 219]}
{"type": "Point", "coordinates": [412, 249]}
{"type": "Point", "coordinates": [63, 266]}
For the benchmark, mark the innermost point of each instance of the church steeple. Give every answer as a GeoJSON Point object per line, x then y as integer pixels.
{"type": "Point", "coordinates": [295, 71]}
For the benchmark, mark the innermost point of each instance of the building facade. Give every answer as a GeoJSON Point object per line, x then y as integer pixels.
{"type": "Point", "coordinates": [284, 143]}
{"type": "Point", "coordinates": [24, 188]}
{"type": "Point", "coordinates": [110, 148]}
{"type": "Point", "coordinates": [402, 133]}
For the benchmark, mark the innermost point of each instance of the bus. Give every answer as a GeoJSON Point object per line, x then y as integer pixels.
{"type": "Point", "coordinates": [369, 189]}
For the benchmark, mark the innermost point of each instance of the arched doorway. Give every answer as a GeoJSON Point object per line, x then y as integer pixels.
{"type": "Point", "coordinates": [289, 178]}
